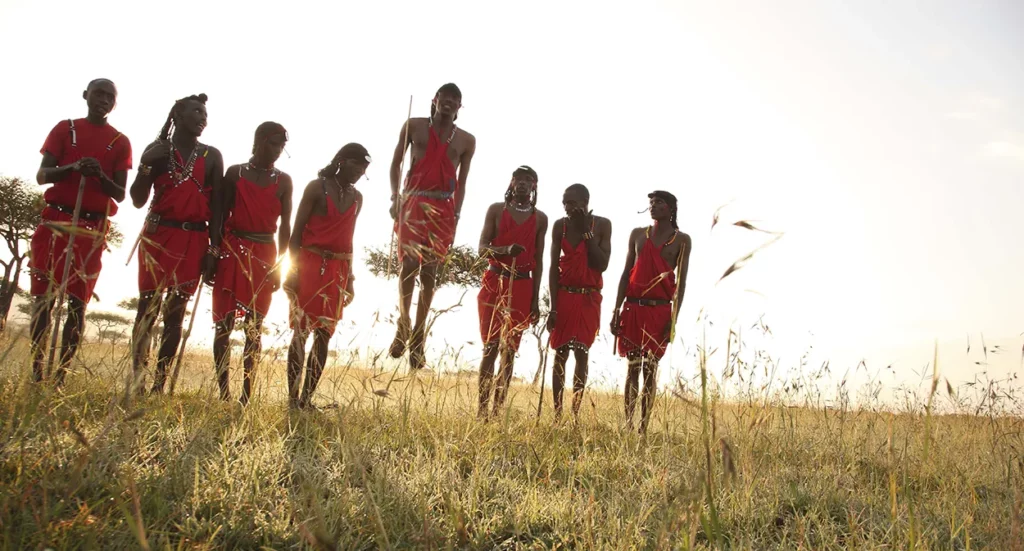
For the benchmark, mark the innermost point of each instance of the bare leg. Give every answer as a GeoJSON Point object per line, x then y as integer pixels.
{"type": "Point", "coordinates": [406, 283]}
{"type": "Point", "coordinates": [428, 278]}
{"type": "Point", "coordinates": [632, 382]}
{"type": "Point", "coordinates": [40, 326]}
{"type": "Point", "coordinates": [222, 354]}
{"type": "Point", "coordinates": [174, 315]}
{"type": "Point", "coordinates": [486, 381]}
{"type": "Point", "coordinates": [296, 356]}
{"type": "Point", "coordinates": [315, 365]}
{"type": "Point", "coordinates": [149, 307]}
{"type": "Point", "coordinates": [579, 380]}
{"type": "Point", "coordinates": [558, 378]}
{"type": "Point", "coordinates": [650, 388]}
{"type": "Point", "coordinates": [72, 336]}
{"type": "Point", "coordinates": [251, 353]}
{"type": "Point", "coordinates": [504, 377]}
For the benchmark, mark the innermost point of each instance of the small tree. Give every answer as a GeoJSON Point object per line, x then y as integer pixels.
{"type": "Point", "coordinates": [108, 325]}
{"type": "Point", "coordinates": [19, 216]}
{"type": "Point", "coordinates": [463, 267]}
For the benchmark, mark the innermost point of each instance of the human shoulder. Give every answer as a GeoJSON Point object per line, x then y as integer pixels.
{"type": "Point", "coordinates": [284, 180]}
{"type": "Point", "coordinates": [496, 207]}
{"type": "Point", "coordinates": [213, 154]}
{"type": "Point", "coordinates": [603, 223]}
{"type": "Point", "coordinates": [541, 217]}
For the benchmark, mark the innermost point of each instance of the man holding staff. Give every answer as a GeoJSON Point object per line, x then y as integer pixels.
{"type": "Point", "coordinates": [427, 212]}
{"type": "Point", "coordinates": [85, 151]}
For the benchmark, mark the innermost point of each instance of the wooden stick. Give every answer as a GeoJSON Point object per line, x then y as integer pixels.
{"type": "Point", "coordinates": [68, 251]}
{"type": "Point", "coordinates": [184, 339]}
{"type": "Point", "coordinates": [401, 171]}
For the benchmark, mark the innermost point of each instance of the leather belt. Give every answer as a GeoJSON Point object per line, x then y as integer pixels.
{"type": "Point", "coordinates": [84, 214]}
{"type": "Point", "coordinates": [256, 237]}
{"type": "Point", "coordinates": [648, 301]}
{"type": "Point", "coordinates": [187, 226]}
{"type": "Point", "coordinates": [507, 273]}
{"type": "Point", "coordinates": [579, 290]}
{"type": "Point", "coordinates": [431, 194]}
{"type": "Point", "coordinates": [327, 255]}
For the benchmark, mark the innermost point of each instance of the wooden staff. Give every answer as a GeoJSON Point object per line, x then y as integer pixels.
{"type": "Point", "coordinates": [401, 171]}
{"type": "Point", "coordinates": [68, 251]}
{"type": "Point", "coordinates": [184, 339]}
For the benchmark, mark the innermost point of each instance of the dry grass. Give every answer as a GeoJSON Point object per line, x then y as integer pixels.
{"type": "Point", "coordinates": [399, 461]}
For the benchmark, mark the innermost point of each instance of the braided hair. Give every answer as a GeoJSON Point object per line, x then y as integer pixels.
{"type": "Point", "coordinates": [168, 128]}
{"type": "Point", "coordinates": [264, 131]}
{"type": "Point", "coordinates": [450, 88]}
{"type": "Point", "coordinates": [349, 151]}
{"type": "Point", "coordinates": [511, 191]}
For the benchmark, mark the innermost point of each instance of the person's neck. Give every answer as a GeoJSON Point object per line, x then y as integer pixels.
{"type": "Point", "coordinates": [260, 164]}
{"type": "Point", "coordinates": [521, 201]}
{"type": "Point", "coordinates": [96, 118]}
{"type": "Point", "coordinates": [663, 227]}
{"type": "Point", "coordinates": [184, 140]}
{"type": "Point", "coordinates": [443, 121]}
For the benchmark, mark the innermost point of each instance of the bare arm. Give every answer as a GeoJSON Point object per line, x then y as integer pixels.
{"type": "Point", "coordinates": [50, 173]}
{"type": "Point", "coordinates": [215, 177]}
{"type": "Point", "coordinates": [155, 152]}
{"type": "Point", "coordinates": [624, 278]}
{"type": "Point", "coordinates": [284, 230]}
{"type": "Point", "coordinates": [538, 256]}
{"type": "Point", "coordinates": [489, 232]}
{"type": "Point", "coordinates": [599, 247]}
{"type": "Point", "coordinates": [464, 162]}
{"type": "Point", "coordinates": [306, 205]}
{"type": "Point", "coordinates": [684, 268]}
{"type": "Point", "coordinates": [556, 250]}
{"type": "Point", "coordinates": [396, 159]}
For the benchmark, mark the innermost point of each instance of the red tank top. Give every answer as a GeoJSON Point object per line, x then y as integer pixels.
{"type": "Point", "coordinates": [435, 171]}
{"type": "Point", "coordinates": [525, 234]}
{"type": "Point", "coordinates": [334, 231]}
{"type": "Point", "coordinates": [652, 277]}
{"type": "Point", "coordinates": [256, 208]}
{"type": "Point", "coordinates": [181, 191]}
{"type": "Point", "coordinates": [573, 269]}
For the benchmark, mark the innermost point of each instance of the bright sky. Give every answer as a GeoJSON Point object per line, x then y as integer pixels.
{"type": "Point", "coordinates": [886, 140]}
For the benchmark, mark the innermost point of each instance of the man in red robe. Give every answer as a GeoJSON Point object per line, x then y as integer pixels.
{"type": "Point", "coordinates": [512, 241]}
{"type": "Point", "coordinates": [652, 296]}
{"type": "Point", "coordinates": [256, 197]}
{"type": "Point", "coordinates": [580, 248]}
{"type": "Point", "coordinates": [175, 252]}
{"type": "Point", "coordinates": [427, 212]}
{"type": "Point", "coordinates": [91, 148]}
{"type": "Point", "coordinates": [320, 281]}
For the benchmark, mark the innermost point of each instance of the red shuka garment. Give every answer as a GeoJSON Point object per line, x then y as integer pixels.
{"type": "Point", "coordinates": [643, 326]}
{"type": "Point", "coordinates": [70, 141]}
{"type": "Point", "coordinates": [172, 257]}
{"type": "Point", "coordinates": [242, 284]}
{"type": "Point", "coordinates": [322, 282]}
{"type": "Point", "coordinates": [504, 309]}
{"type": "Point", "coordinates": [427, 227]}
{"type": "Point", "coordinates": [578, 309]}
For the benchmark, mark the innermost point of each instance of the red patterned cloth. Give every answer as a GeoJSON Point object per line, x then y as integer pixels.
{"type": "Point", "coordinates": [322, 281]}
{"type": "Point", "coordinates": [242, 284]}
{"type": "Point", "coordinates": [643, 326]}
{"type": "Point", "coordinates": [504, 307]}
{"type": "Point", "coordinates": [427, 227]}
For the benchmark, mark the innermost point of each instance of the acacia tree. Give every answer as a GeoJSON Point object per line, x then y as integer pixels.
{"type": "Point", "coordinates": [19, 216]}
{"type": "Point", "coordinates": [20, 210]}
{"type": "Point", "coordinates": [463, 267]}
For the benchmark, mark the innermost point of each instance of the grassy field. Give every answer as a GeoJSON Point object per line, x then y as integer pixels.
{"type": "Point", "coordinates": [395, 461]}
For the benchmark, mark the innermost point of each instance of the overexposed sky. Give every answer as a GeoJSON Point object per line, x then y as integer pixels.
{"type": "Point", "coordinates": [886, 140]}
